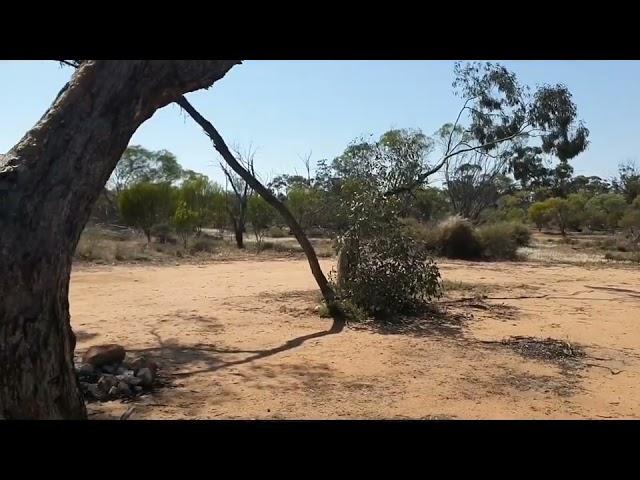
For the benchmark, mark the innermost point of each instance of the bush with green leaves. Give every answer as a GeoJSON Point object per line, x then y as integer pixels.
{"type": "Point", "coordinates": [185, 221]}
{"type": "Point", "coordinates": [393, 274]}
{"type": "Point", "coordinates": [147, 204]}
{"type": "Point", "coordinates": [499, 241]}
{"type": "Point", "coordinates": [261, 215]}
{"type": "Point", "coordinates": [630, 223]}
{"type": "Point", "coordinates": [381, 269]}
{"type": "Point", "coordinates": [605, 211]}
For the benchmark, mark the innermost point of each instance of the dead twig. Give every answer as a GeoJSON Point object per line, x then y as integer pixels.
{"type": "Point", "coordinates": [128, 413]}
{"type": "Point", "coordinates": [612, 370]}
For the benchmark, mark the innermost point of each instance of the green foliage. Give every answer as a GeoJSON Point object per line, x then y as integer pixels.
{"type": "Point", "coordinates": [429, 204]}
{"type": "Point", "coordinates": [204, 199]}
{"type": "Point", "coordinates": [185, 221]}
{"type": "Point", "coordinates": [629, 183]}
{"type": "Point", "coordinates": [500, 241]}
{"type": "Point", "coordinates": [630, 222]}
{"type": "Point", "coordinates": [146, 204]}
{"type": "Point", "coordinates": [139, 165]}
{"type": "Point", "coordinates": [261, 215]}
{"type": "Point", "coordinates": [305, 203]}
{"type": "Point", "coordinates": [539, 214]}
{"type": "Point", "coordinates": [605, 211]}
{"type": "Point", "coordinates": [393, 274]}
{"type": "Point", "coordinates": [520, 233]}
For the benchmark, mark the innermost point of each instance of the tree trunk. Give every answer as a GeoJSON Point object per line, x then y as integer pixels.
{"type": "Point", "coordinates": [239, 236]}
{"type": "Point", "coordinates": [49, 183]}
{"type": "Point", "coordinates": [221, 147]}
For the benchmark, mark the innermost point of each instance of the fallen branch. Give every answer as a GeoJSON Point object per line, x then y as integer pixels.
{"type": "Point", "coordinates": [128, 413]}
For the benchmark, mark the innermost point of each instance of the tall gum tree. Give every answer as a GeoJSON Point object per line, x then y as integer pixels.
{"type": "Point", "coordinates": [48, 184]}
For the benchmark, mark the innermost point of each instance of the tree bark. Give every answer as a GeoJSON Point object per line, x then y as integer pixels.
{"type": "Point", "coordinates": [48, 184]}
{"type": "Point", "coordinates": [252, 181]}
{"type": "Point", "coordinates": [239, 237]}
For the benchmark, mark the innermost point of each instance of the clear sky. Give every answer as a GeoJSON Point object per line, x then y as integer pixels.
{"type": "Point", "coordinates": [286, 109]}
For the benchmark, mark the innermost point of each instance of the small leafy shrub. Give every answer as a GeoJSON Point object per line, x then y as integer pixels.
{"type": "Point", "coordinates": [393, 274]}
{"type": "Point", "coordinates": [521, 233]}
{"type": "Point", "coordinates": [498, 241]}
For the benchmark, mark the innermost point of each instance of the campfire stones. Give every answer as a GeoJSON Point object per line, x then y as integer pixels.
{"type": "Point", "coordinates": [104, 373]}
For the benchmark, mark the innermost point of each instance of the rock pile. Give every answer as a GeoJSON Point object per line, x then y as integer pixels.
{"type": "Point", "coordinates": [106, 373]}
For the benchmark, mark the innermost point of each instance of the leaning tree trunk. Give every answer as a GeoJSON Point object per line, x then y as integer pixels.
{"type": "Point", "coordinates": [220, 145]}
{"type": "Point", "coordinates": [49, 183]}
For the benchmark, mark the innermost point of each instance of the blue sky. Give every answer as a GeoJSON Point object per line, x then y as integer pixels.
{"type": "Point", "coordinates": [286, 109]}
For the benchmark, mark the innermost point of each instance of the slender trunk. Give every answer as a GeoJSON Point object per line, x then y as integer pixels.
{"type": "Point", "coordinates": [49, 183]}
{"type": "Point", "coordinates": [221, 147]}
{"type": "Point", "coordinates": [239, 237]}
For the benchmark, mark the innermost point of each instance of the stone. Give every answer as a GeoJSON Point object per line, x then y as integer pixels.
{"type": "Point", "coordinates": [99, 355]}
{"type": "Point", "coordinates": [143, 362]}
{"type": "Point", "coordinates": [113, 391]}
{"type": "Point", "coordinates": [86, 369]}
{"type": "Point", "coordinates": [110, 369]}
{"type": "Point", "coordinates": [123, 388]}
{"type": "Point", "coordinates": [106, 382]}
{"type": "Point", "coordinates": [121, 370]}
{"type": "Point", "coordinates": [94, 391]}
{"type": "Point", "coordinates": [133, 381]}
{"type": "Point", "coordinates": [137, 389]}
{"type": "Point", "coordinates": [146, 377]}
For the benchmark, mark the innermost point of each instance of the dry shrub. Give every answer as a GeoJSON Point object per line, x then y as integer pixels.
{"type": "Point", "coordinates": [623, 256]}
{"type": "Point", "coordinates": [203, 244]}
{"type": "Point", "coordinates": [456, 238]}
{"type": "Point", "coordinates": [277, 232]}
{"type": "Point", "coordinates": [498, 241]}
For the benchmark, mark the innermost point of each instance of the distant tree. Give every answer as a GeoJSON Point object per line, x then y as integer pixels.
{"type": "Point", "coordinates": [540, 214]}
{"type": "Point", "coordinates": [588, 185]}
{"type": "Point", "coordinates": [628, 183]}
{"type": "Point", "coordinates": [146, 204]}
{"type": "Point", "coordinates": [305, 204]}
{"type": "Point", "coordinates": [429, 204]}
{"type": "Point", "coordinates": [261, 215]}
{"type": "Point", "coordinates": [561, 177]}
{"type": "Point", "coordinates": [500, 117]}
{"type": "Point", "coordinates": [185, 221]}
{"type": "Point", "coordinates": [562, 212]}
{"type": "Point", "coordinates": [237, 199]}
{"type": "Point", "coordinates": [606, 210]}
{"type": "Point", "coordinates": [204, 199]}
{"type": "Point", "coordinates": [630, 222]}
{"type": "Point", "coordinates": [138, 164]}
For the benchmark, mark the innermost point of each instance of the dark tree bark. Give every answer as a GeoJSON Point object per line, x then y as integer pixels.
{"type": "Point", "coordinates": [220, 145]}
{"type": "Point", "coordinates": [49, 183]}
{"type": "Point", "coordinates": [239, 236]}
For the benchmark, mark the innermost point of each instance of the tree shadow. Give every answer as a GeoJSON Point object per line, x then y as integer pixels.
{"type": "Point", "coordinates": [431, 321]}
{"type": "Point", "coordinates": [173, 354]}
{"type": "Point", "coordinates": [81, 335]}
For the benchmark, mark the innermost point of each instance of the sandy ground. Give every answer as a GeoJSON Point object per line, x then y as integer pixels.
{"type": "Point", "coordinates": [241, 340]}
